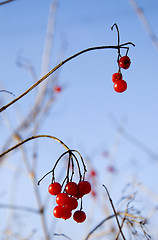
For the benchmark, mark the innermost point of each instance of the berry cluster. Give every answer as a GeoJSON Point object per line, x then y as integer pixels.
{"type": "Point", "coordinates": [69, 192]}
{"type": "Point", "coordinates": [68, 200]}
{"type": "Point", "coordinates": [120, 85]}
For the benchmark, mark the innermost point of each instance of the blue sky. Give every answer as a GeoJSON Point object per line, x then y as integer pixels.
{"type": "Point", "coordinates": [82, 114]}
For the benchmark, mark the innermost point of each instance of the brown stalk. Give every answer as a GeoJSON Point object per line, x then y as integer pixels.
{"type": "Point", "coordinates": [120, 229]}
{"type": "Point", "coordinates": [58, 66]}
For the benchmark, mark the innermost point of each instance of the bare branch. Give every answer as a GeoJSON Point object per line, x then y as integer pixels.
{"type": "Point", "coordinates": [57, 67]}
{"type": "Point", "coordinates": [114, 212]}
{"type": "Point", "coordinates": [4, 2]}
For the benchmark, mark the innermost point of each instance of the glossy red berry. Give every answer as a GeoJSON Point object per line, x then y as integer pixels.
{"type": "Point", "coordinates": [54, 188]}
{"type": "Point", "coordinates": [79, 216]}
{"type": "Point", "coordinates": [84, 187]}
{"type": "Point", "coordinates": [120, 86]}
{"type": "Point", "coordinates": [71, 188]}
{"type": "Point", "coordinates": [124, 62]}
{"type": "Point", "coordinates": [72, 203]}
{"type": "Point", "coordinates": [62, 199]}
{"type": "Point", "coordinates": [58, 211]}
{"type": "Point", "coordinates": [116, 76]}
{"type": "Point", "coordinates": [67, 213]}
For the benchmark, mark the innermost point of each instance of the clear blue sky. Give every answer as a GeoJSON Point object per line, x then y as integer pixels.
{"type": "Point", "coordinates": [82, 114]}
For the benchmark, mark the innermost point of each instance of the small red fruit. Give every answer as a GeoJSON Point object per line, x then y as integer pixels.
{"type": "Point", "coordinates": [57, 89]}
{"type": "Point", "coordinates": [93, 173]}
{"type": "Point", "coordinates": [71, 188]}
{"type": "Point", "coordinates": [79, 216]}
{"type": "Point", "coordinates": [78, 195]}
{"type": "Point", "coordinates": [84, 187]}
{"type": "Point", "coordinates": [116, 76]}
{"type": "Point", "coordinates": [124, 62]}
{"type": "Point", "coordinates": [72, 203]}
{"type": "Point", "coordinates": [58, 211]}
{"type": "Point", "coordinates": [62, 199]}
{"type": "Point", "coordinates": [67, 213]}
{"type": "Point", "coordinates": [54, 188]}
{"type": "Point", "coordinates": [94, 194]}
{"type": "Point", "coordinates": [120, 86]}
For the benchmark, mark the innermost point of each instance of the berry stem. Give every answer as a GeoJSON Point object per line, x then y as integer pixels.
{"type": "Point", "coordinates": [118, 41]}
{"type": "Point", "coordinates": [114, 212]}
{"type": "Point", "coordinates": [58, 66]}
{"type": "Point", "coordinates": [32, 138]}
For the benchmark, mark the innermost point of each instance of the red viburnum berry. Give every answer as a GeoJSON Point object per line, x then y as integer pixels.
{"type": "Point", "coordinates": [120, 86]}
{"type": "Point", "coordinates": [71, 188]}
{"type": "Point", "coordinates": [94, 194]}
{"type": "Point", "coordinates": [84, 187]}
{"type": "Point", "coordinates": [62, 199]}
{"type": "Point", "coordinates": [72, 203]}
{"type": "Point", "coordinates": [93, 173]}
{"type": "Point", "coordinates": [79, 216]}
{"type": "Point", "coordinates": [57, 89]}
{"type": "Point", "coordinates": [78, 195]}
{"type": "Point", "coordinates": [116, 76]}
{"type": "Point", "coordinates": [124, 62]}
{"type": "Point", "coordinates": [58, 211]}
{"type": "Point", "coordinates": [67, 213]}
{"type": "Point", "coordinates": [54, 188]}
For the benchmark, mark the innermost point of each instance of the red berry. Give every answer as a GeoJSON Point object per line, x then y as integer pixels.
{"type": "Point", "coordinates": [71, 188]}
{"type": "Point", "coordinates": [62, 199]}
{"type": "Point", "coordinates": [72, 203]}
{"type": "Point", "coordinates": [79, 216]}
{"type": "Point", "coordinates": [116, 76]}
{"type": "Point", "coordinates": [94, 194]}
{"type": "Point", "coordinates": [93, 173]}
{"type": "Point", "coordinates": [54, 188]}
{"type": "Point", "coordinates": [67, 213]}
{"type": "Point", "coordinates": [120, 86]}
{"type": "Point", "coordinates": [78, 195]}
{"type": "Point", "coordinates": [57, 89]}
{"type": "Point", "coordinates": [84, 187]}
{"type": "Point", "coordinates": [58, 211]}
{"type": "Point", "coordinates": [124, 62]}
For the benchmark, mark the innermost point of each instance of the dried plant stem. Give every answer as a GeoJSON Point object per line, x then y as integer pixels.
{"type": "Point", "coordinates": [123, 220]}
{"type": "Point", "coordinates": [58, 66]}
{"type": "Point", "coordinates": [100, 224]}
{"type": "Point", "coordinates": [114, 212]}
{"type": "Point", "coordinates": [21, 208]}
{"type": "Point", "coordinates": [145, 22]}
{"type": "Point", "coordinates": [8, 1]}
{"type": "Point", "coordinates": [31, 138]}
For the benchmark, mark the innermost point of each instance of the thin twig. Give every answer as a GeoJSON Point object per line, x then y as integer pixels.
{"type": "Point", "coordinates": [8, 1]}
{"type": "Point", "coordinates": [63, 235]}
{"type": "Point", "coordinates": [31, 138]}
{"type": "Point", "coordinates": [114, 212]}
{"type": "Point", "coordinates": [100, 224]}
{"type": "Point", "coordinates": [58, 66]}
{"type": "Point", "coordinates": [123, 220]}
{"type": "Point", "coordinates": [21, 208]}
{"type": "Point", "coordinates": [7, 92]}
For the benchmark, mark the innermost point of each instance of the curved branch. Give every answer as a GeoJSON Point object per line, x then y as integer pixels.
{"type": "Point", "coordinates": [31, 138]}
{"type": "Point", "coordinates": [55, 68]}
{"type": "Point", "coordinates": [8, 1]}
